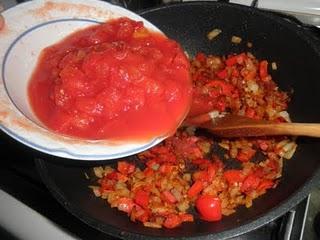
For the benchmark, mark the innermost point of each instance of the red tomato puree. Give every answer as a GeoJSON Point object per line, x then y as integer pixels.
{"type": "Point", "coordinates": [116, 80]}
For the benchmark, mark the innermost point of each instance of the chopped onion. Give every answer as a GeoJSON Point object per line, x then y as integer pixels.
{"type": "Point", "coordinates": [224, 145]}
{"type": "Point", "coordinates": [236, 39]}
{"type": "Point", "coordinates": [253, 86]}
{"type": "Point", "coordinates": [187, 177]}
{"type": "Point", "coordinates": [86, 175]}
{"type": "Point", "coordinates": [96, 190]}
{"type": "Point", "coordinates": [285, 115]}
{"type": "Point", "coordinates": [152, 225]}
{"type": "Point", "coordinates": [183, 206]}
{"type": "Point", "coordinates": [289, 154]}
{"type": "Point", "coordinates": [155, 167]}
{"type": "Point", "coordinates": [282, 143]}
{"type": "Point", "coordinates": [289, 150]}
{"type": "Point", "coordinates": [274, 66]}
{"type": "Point", "coordinates": [176, 194]}
{"type": "Point", "coordinates": [214, 33]}
{"type": "Point", "coordinates": [98, 171]}
{"type": "Point", "coordinates": [216, 114]}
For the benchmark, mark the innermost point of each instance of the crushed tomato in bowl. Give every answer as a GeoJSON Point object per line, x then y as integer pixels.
{"type": "Point", "coordinates": [112, 81]}
{"type": "Point", "coordinates": [184, 178]}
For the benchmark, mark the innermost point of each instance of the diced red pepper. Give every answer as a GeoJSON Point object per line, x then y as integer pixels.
{"type": "Point", "coordinates": [200, 176]}
{"type": "Point", "coordinates": [172, 221]}
{"type": "Point", "coordinates": [166, 168]}
{"type": "Point", "coordinates": [211, 172]}
{"type": "Point", "coordinates": [265, 184]}
{"type": "Point", "coordinates": [250, 183]}
{"type": "Point", "coordinates": [250, 75]}
{"type": "Point", "coordinates": [201, 57]}
{"type": "Point", "coordinates": [201, 161]}
{"type": "Point", "coordinates": [169, 197]}
{"type": "Point", "coordinates": [259, 172]}
{"type": "Point", "coordinates": [142, 198]}
{"type": "Point", "coordinates": [125, 168]}
{"type": "Point", "coordinates": [241, 58]}
{"type": "Point", "coordinates": [217, 163]}
{"type": "Point", "coordinates": [233, 176]}
{"type": "Point", "coordinates": [151, 163]}
{"type": "Point", "coordinates": [122, 177]}
{"type": "Point", "coordinates": [220, 87]}
{"type": "Point", "coordinates": [140, 214]}
{"type": "Point", "coordinates": [168, 158]}
{"type": "Point", "coordinates": [263, 145]}
{"type": "Point", "coordinates": [113, 175]}
{"type": "Point", "coordinates": [196, 188]}
{"type": "Point", "coordinates": [231, 61]}
{"type": "Point", "coordinates": [220, 105]}
{"type": "Point", "coordinates": [237, 59]}
{"type": "Point", "coordinates": [273, 164]}
{"type": "Point", "coordinates": [106, 184]}
{"type": "Point", "coordinates": [223, 74]}
{"type": "Point", "coordinates": [186, 217]}
{"type": "Point", "coordinates": [235, 73]}
{"type": "Point", "coordinates": [245, 155]}
{"type": "Point", "coordinates": [250, 112]}
{"type": "Point", "coordinates": [148, 172]}
{"type": "Point", "coordinates": [263, 69]}
{"type": "Point", "coordinates": [125, 204]}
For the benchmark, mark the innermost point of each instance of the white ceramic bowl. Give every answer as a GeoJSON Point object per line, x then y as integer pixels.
{"type": "Point", "coordinates": [29, 28]}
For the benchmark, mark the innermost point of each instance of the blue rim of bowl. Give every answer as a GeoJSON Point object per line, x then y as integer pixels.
{"type": "Point", "coordinates": [16, 40]}
{"type": "Point", "coordinates": [56, 151]}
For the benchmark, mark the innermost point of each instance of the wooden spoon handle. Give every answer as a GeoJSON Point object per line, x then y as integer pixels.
{"type": "Point", "coordinates": [265, 129]}
{"type": "Point", "coordinates": [296, 129]}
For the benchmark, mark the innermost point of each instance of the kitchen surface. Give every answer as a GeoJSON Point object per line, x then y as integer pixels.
{"type": "Point", "coordinates": [28, 211]}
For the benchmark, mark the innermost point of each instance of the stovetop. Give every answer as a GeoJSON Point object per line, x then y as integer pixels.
{"type": "Point", "coordinates": [22, 191]}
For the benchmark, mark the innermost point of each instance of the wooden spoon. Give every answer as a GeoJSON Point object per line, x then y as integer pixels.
{"type": "Point", "coordinates": [239, 126]}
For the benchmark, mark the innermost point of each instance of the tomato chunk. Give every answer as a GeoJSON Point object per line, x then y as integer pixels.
{"type": "Point", "coordinates": [112, 81]}
{"type": "Point", "coordinates": [209, 207]}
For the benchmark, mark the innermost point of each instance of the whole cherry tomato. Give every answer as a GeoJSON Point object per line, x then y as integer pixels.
{"type": "Point", "coordinates": [209, 207]}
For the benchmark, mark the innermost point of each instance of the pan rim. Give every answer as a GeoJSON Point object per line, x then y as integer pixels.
{"type": "Point", "coordinates": [272, 214]}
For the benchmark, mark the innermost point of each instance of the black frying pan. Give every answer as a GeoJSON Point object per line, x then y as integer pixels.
{"type": "Point", "coordinates": [276, 39]}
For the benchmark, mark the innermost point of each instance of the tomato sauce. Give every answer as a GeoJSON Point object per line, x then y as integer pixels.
{"type": "Point", "coordinates": [116, 80]}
